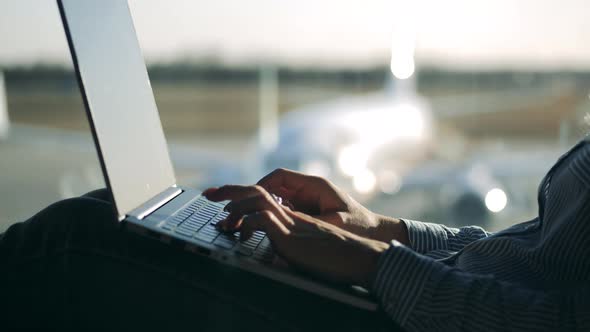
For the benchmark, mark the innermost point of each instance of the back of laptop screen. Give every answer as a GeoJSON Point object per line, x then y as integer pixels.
{"type": "Point", "coordinates": [120, 101]}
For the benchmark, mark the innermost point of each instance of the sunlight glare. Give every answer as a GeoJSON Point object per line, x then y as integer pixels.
{"type": "Point", "coordinates": [403, 42]}
{"type": "Point", "coordinates": [496, 200]}
{"type": "Point", "coordinates": [353, 159]}
{"type": "Point", "coordinates": [364, 182]}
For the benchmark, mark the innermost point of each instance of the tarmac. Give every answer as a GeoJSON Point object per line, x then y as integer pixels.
{"type": "Point", "coordinates": [39, 166]}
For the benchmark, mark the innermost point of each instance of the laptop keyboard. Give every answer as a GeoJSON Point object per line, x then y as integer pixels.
{"type": "Point", "coordinates": [198, 221]}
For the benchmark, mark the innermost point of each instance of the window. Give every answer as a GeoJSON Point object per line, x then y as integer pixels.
{"type": "Point", "coordinates": [448, 112]}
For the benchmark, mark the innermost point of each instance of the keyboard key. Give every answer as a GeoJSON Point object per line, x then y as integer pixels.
{"type": "Point", "coordinates": [224, 244]}
{"type": "Point", "coordinates": [200, 218]}
{"type": "Point", "coordinates": [199, 203]}
{"type": "Point", "coordinates": [188, 214]}
{"type": "Point", "coordinates": [264, 251]}
{"type": "Point", "coordinates": [264, 245]}
{"type": "Point", "coordinates": [219, 217]}
{"type": "Point", "coordinates": [194, 208]}
{"type": "Point", "coordinates": [206, 236]}
{"type": "Point", "coordinates": [174, 222]}
{"type": "Point", "coordinates": [207, 217]}
{"type": "Point", "coordinates": [206, 214]}
{"type": "Point", "coordinates": [197, 218]}
{"type": "Point", "coordinates": [177, 220]}
{"type": "Point", "coordinates": [208, 211]}
{"type": "Point", "coordinates": [244, 251]}
{"type": "Point", "coordinates": [184, 214]}
{"type": "Point", "coordinates": [225, 241]}
{"type": "Point", "coordinates": [189, 227]}
{"type": "Point", "coordinates": [258, 235]}
{"type": "Point", "coordinates": [209, 229]}
{"type": "Point", "coordinates": [213, 207]}
{"type": "Point", "coordinates": [251, 243]}
{"type": "Point", "coordinates": [184, 232]}
{"type": "Point", "coordinates": [263, 256]}
{"type": "Point", "coordinates": [194, 224]}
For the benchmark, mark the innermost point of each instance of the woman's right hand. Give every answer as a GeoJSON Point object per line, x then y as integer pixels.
{"type": "Point", "coordinates": [321, 199]}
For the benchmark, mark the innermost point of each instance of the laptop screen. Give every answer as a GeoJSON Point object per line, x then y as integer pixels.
{"type": "Point", "coordinates": [119, 100]}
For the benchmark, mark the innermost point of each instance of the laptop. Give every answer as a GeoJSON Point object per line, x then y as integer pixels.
{"type": "Point", "coordinates": [134, 156]}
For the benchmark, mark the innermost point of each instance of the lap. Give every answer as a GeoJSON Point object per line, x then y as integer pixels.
{"type": "Point", "coordinates": [73, 266]}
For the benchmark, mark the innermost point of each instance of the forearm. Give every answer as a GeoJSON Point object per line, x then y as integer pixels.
{"type": "Point", "coordinates": [422, 294]}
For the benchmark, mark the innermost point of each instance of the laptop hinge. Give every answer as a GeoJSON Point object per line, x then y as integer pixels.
{"type": "Point", "coordinates": [155, 203]}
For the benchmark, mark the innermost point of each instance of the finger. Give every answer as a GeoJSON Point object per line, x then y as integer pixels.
{"type": "Point", "coordinates": [208, 191]}
{"type": "Point", "coordinates": [304, 192]}
{"type": "Point", "coordinates": [230, 224]}
{"type": "Point", "coordinates": [238, 209]}
{"type": "Point", "coordinates": [285, 195]}
{"type": "Point", "coordinates": [283, 181]}
{"type": "Point", "coordinates": [233, 192]}
{"type": "Point", "coordinates": [254, 204]}
{"type": "Point", "coordinates": [265, 221]}
{"type": "Point", "coordinates": [246, 233]}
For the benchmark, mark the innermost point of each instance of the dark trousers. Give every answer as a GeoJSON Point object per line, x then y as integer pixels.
{"type": "Point", "coordinates": [73, 267]}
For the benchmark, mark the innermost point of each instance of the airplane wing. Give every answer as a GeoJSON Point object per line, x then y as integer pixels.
{"type": "Point", "coordinates": [503, 112]}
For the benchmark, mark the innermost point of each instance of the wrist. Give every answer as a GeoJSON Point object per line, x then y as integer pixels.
{"type": "Point", "coordinates": [374, 252]}
{"type": "Point", "coordinates": [389, 228]}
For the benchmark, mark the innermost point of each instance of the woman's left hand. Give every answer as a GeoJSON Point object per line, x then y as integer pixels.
{"type": "Point", "coordinates": [306, 243]}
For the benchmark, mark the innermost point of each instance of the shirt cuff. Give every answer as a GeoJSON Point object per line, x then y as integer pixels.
{"type": "Point", "coordinates": [425, 237]}
{"type": "Point", "coordinates": [401, 277]}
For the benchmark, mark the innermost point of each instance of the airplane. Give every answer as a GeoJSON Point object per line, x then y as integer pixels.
{"type": "Point", "coordinates": [493, 188]}
{"type": "Point", "coordinates": [385, 150]}
{"type": "Point", "coordinates": [354, 140]}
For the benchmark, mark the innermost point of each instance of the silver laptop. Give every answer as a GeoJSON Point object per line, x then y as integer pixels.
{"type": "Point", "coordinates": [134, 156]}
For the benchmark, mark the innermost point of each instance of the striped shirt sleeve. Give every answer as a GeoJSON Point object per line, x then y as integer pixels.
{"type": "Point", "coordinates": [421, 294]}
{"type": "Point", "coordinates": [427, 237]}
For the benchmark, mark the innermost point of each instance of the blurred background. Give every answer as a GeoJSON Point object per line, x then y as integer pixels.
{"type": "Point", "coordinates": [442, 111]}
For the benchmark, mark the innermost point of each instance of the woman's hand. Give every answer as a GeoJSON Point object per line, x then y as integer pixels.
{"type": "Point", "coordinates": [317, 197]}
{"type": "Point", "coordinates": [306, 243]}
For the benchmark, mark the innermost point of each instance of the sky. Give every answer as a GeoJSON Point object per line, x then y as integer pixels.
{"type": "Point", "coordinates": [452, 33]}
